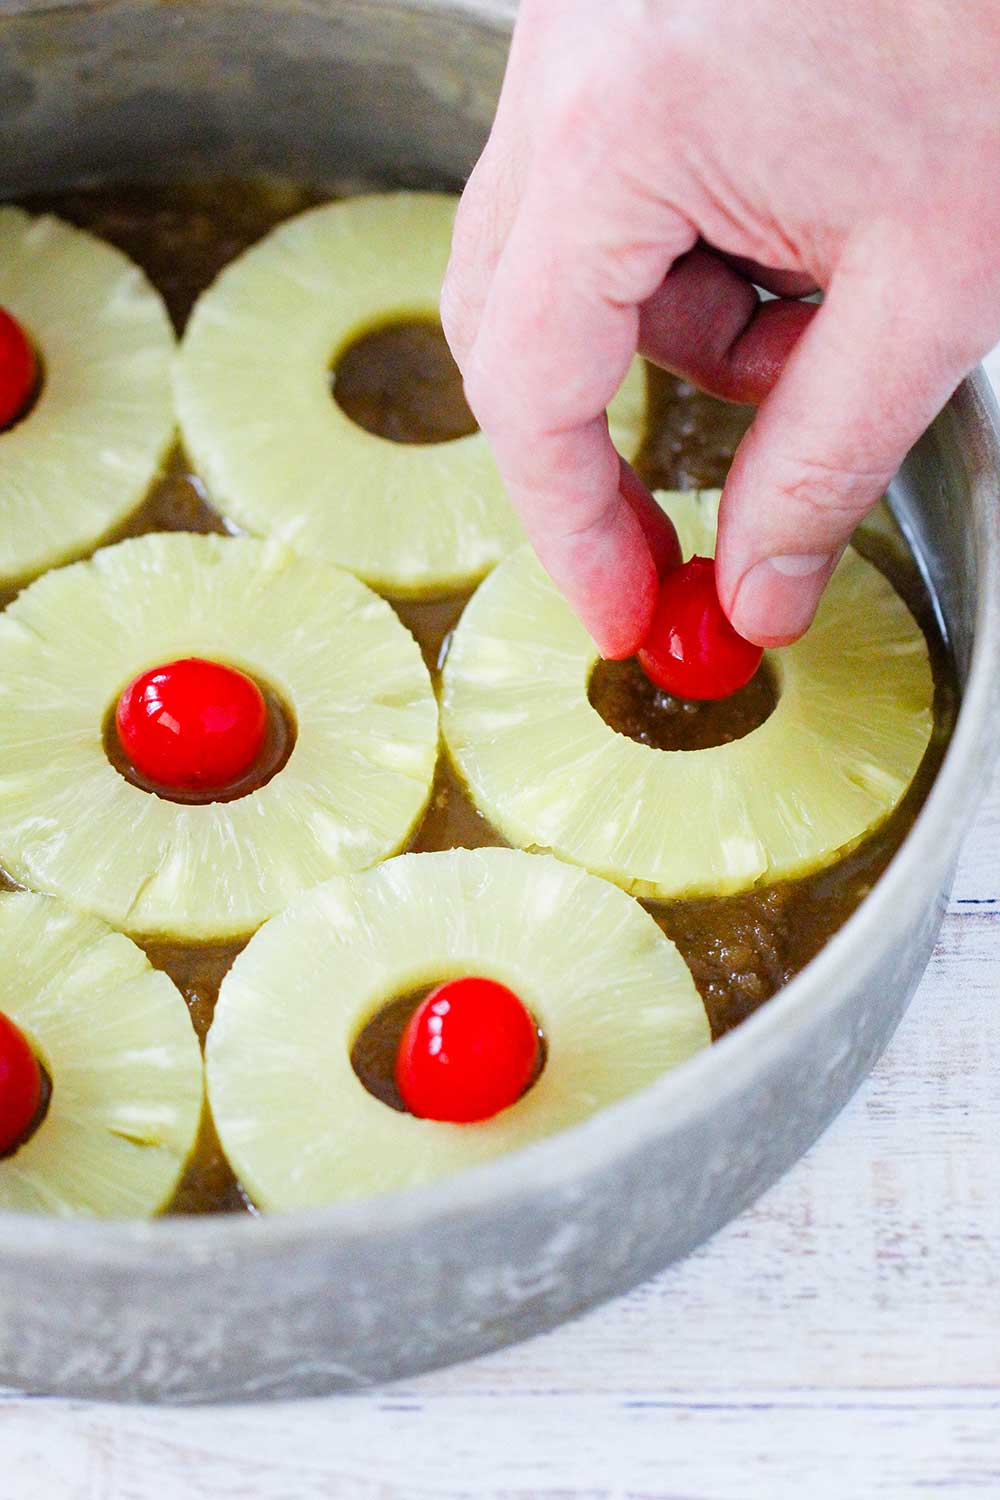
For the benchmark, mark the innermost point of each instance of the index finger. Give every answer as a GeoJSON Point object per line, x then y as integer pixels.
{"type": "Point", "coordinates": [559, 329]}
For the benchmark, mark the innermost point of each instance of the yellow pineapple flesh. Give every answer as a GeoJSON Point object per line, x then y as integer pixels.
{"type": "Point", "coordinates": [116, 1041]}
{"type": "Point", "coordinates": [281, 458]}
{"type": "Point", "coordinates": [85, 455]}
{"type": "Point", "coordinates": [354, 786]}
{"type": "Point", "coordinates": [615, 1001]}
{"type": "Point", "coordinates": [853, 719]}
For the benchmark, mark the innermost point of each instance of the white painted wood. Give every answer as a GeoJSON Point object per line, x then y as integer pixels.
{"type": "Point", "coordinates": [848, 1446]}
{"type": "Point", "coordinates": [841, 1341]}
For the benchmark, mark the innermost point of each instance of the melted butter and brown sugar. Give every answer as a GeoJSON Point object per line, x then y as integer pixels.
{"type": "Point", "coordinates": [399, 382]}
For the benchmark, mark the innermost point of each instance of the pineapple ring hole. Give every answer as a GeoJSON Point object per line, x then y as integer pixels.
{"type": "Point", "coordinates": [279, 742]}
{"type": "Point", "coordinates": [399, 382]}
{"type": "Point", "coordinates": [632, 705]}
{"type": "Point", "coordinates": [373, 1054]}
{"type": "Point", "coordinates": [35, 394]}
{"type": "Point", "coordinates": [44, 1100]}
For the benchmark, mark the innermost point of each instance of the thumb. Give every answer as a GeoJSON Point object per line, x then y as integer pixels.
{"type": "Point", "coordinates": [866, 378]}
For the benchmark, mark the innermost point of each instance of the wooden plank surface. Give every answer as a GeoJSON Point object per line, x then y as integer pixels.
{"type": "Point", "coordinates": [840, 1340]}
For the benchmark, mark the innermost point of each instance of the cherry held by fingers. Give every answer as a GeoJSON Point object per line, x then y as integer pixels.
{"type": "Point", "coordinates": [691, 649]}
{"type": "Point", "coordinates": [192, 724]}
{"type": "Point", "coordinates": [18, 369]}
{"type": "Point", "coordinates": [20, 1084]}
{"type": "Point", "coordinates": [469, 1050]}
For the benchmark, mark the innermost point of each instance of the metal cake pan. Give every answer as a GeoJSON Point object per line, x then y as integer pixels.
{"type": "Point", "coordinates": [365, 1292]}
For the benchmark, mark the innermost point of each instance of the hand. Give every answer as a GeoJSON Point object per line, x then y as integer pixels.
{"type": "Point", "coordinates": [648, 161]}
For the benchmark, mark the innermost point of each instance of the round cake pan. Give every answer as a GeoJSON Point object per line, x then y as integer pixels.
{"type": "Point", "coordinates": [211, 1309]}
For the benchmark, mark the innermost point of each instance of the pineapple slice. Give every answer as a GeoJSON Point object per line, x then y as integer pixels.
{"type": "Point", "coordinates": [355, 784]}
{"type": "Point", "coordinates": [278, 454]}
{"type": "Point", "coordinates": [854, 717]}
{"type": "Point", "coordinates": [611, 993]}
{"type": "Point", "coordinates": [86, 453]}
{"type": "Point", "coordinates": [116, 1040]}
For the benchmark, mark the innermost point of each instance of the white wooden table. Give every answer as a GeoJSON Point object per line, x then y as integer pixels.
{"type": "Point", "coordinates": [840, 1341]}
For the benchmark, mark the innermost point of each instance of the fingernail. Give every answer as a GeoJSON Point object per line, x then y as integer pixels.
{"type": "Point", "coordinates": [776, 598]}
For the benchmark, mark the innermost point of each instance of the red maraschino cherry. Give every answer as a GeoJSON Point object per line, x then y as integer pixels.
{"type": "Point", "coordinates": [691, 650]}
{"type": "Point", "coordinates": [192, 724]}
{"type": "Point", "coordinates": [20, 1084]}
{"type": "Point", "coordinates": [468, 1051]}
{"type": "Point", "coordinates": [18, 369]}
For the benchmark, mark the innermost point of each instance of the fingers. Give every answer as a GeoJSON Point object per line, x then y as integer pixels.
{"type": "Point", "coordinates": [865, 379]}
{"type": "Point", "coordinates": [482, 223]}
{"type": "Point", "coordinates": [559, 328]}
{"type": "Point", "coordinates": [656, 526]}
{"type": "Point", "coordinates": [781, 283]}
{"type": "Point", "coordinates": [489, 203]}
{"type": "Point", "coordinates": [707, 324]}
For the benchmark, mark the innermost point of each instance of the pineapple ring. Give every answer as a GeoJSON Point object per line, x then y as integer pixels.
{"type": "Point", "coordinates": [356, 782]}
{"type": "Point", "coordinates": [278, 454]}
{"type": "Point", "coordinates": [852, 722]}
{"type": "Point", "coordinates": [612, 994]}
{"type": "Point", "coordinates": [117, 1042]}
{"type": "Point", "coordinates": [87, 452]}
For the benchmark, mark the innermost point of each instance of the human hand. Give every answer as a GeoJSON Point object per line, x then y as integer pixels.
{"type": "Point", "coordinates": [648, 161]}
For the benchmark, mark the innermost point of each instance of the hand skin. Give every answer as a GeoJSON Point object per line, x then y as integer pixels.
{"type": "Point", "coordinates": [648, 158]}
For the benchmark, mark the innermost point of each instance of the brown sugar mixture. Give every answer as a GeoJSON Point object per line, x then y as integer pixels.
{"type": "Point", "coordinates": [369, 380]}
{"type": "Point", "coordinates": [398, 381]}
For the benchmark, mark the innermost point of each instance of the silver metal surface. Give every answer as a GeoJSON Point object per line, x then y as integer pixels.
{"type": "Point", "coordinates": [215, 1309]}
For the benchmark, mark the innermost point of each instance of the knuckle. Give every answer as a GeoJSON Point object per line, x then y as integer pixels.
{"type": "Point", "coordinates": [629, 271]}
{"type": "Point", "coordinates": [483, 393]}
{"type": "Point", "coordinates": [453, 311]}
{"type": "Point", "coordinates": [830, 489]}
{"type": "Point", "coordinates": [471, 215]}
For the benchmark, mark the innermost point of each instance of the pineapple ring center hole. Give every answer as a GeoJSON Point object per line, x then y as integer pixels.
{"type": "Point", "coordinates": [280, 735]}
{"type": "Point", "coordinates": [44, 1100]}
{"type": "Point", "coordinates": [399, 382]}
{"type": "Point", "coordinates": [373, 1055]}
{"type": "Point", "coordinates": [634, 706]}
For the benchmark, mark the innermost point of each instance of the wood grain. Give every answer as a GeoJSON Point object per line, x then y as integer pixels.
{"type": "Point", "coordinates": [701, 1447]}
